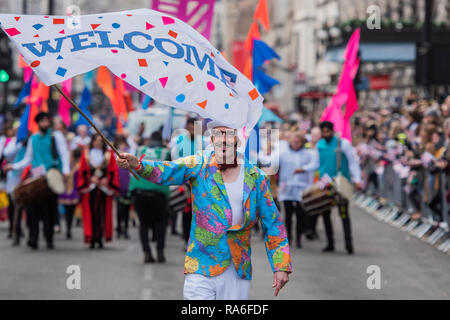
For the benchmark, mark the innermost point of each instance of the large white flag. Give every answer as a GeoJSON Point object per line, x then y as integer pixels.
{"type": "Point", "coordinates": [158, 54]}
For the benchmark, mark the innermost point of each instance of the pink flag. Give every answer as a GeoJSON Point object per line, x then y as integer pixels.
{"type": "Point", "coordinates": [333, 112]}
{"type": "Point", "coordinates": [345, 91]}
{"type": "Point", "coordinates": [64, 106]}
{"type": "Point", "coordinates": [197, 13]}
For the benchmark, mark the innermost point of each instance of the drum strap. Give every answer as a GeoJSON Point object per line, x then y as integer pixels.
{"type": "Point", "coordinates": [339, 156]}
{"type": "Point", "coordinates": [54, 151]}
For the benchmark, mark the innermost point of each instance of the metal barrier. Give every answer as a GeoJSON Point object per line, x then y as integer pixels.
{"type": "Point", "coordinates": [396, 204]}
{"type": "Point", "coordinates": [392, 188]}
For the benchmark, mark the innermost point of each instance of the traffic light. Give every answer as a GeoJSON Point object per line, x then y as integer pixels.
{"type": "Point", "coordinates": [4, 76]}
{"type": "Point", "coordinates": [6, 61]}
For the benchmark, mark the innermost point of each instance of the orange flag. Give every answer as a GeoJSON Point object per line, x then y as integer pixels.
{"type": "Point", "coordinates": [119, 102]}
{"type": "Point", "coordinates": [32, 125]}
{"type": "Point", "coordinates": [253, 33]}
{"type": "Point", "coordinates": [248, 67]}
{"type": "Point", "coordinates": [21, 63]}
{"type": "Point", "coordinates": [262, 14]}
{"type": "Point", "coordinates": [104, 81]}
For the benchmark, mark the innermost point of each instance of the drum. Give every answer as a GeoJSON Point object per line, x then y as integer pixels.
{"type": "Point", "coordinates": [316, 200]}
{"type": "Point", "coordinates": [39, 189]}
{"type": "Point", "coordinates": [55, 181]}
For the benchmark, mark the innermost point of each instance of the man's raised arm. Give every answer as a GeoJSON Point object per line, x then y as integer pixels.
{"type": "Point", "coordinates": [164, 172]}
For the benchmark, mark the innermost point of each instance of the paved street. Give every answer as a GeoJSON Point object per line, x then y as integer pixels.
{"type": "Point", "coordinates": [410, 269]}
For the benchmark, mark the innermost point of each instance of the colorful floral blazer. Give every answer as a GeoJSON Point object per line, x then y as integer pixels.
{"type": "Point", "coordinates": [214, 243]}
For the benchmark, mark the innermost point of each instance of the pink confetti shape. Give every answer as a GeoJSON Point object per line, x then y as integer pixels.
{"type": "Point", "coordinates": [62, 31]}
{"type": "Point", "coordinates": [167, 20]}
{"type": "Point", "coordinates": [123, 75]}
{"type": "Point", "coordinates": [210, 86]}
{"type": "Point", "coordinates": [148, 26]}
{"type": "Point", "coordinates": [12, 32]}
{"type": "Point", "coordinates": [163, 81]}
{"type": "Point", "coordinates": [114, 51]}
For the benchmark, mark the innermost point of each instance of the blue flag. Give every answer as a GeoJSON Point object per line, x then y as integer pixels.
{"type": "Point", "coordinates": [85, 102]}
{"type": "Point", "coordinates": [25, 92]}
{"type": "Point", "coordinates": [262, 81]}
{"type": "Point", "coordinates": [146, 102]}
{"type": "Point", "coordinates": [22, 131]}
{"type": "Point", "coordinates": [262, 52]}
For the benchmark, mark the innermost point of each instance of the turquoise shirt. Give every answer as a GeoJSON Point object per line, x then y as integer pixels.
{"type": "Point", "coordinates": [42, 151]}
{"type": "Point", "coordinates": [327, 154]}
{"type": "Point", "coordinates": [158, 154]}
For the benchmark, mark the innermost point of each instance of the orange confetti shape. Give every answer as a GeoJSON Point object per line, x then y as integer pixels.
{"type": "Point", "coordinates": [142, 63]}
{"type": "Point", "coordinates": [173, 34]}
{"type": "Point", "coordinates": [202, 104]}
{"type": "Point", "coordinates": [189, 78]}
{"type": "Point", "coordinates": [253, 94]}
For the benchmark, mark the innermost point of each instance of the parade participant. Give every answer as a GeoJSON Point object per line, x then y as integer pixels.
{"type": "Point", "coordinates": [14, 152]}
{"type": "Point", "coordinates": [150, 201]}
{"type": "Point", "coordinates": [228, 197]}
{"type": "Point", "coordinates": [5, 140]}
{"type": "Point", "coordinates": [82, 138]}
{"type": "Point", "coordinates": [123, 200]}
{"type": "Point", "coordinates": [71, 197]}
{"type": "Point", "coordinates": [46, 149]}
{"type": "Point", "coordinates": [349, 167]}
{"type": "Point", "coordinates": [315, 136]}
{"type": "Point", "coordinates": [98, 182]}
{"type": "Point", "coordinates": [296, 164]}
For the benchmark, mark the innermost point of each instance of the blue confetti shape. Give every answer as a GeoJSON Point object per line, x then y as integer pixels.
{"type": "Point", "coordinates": [166, 63]}
{"type": "Point", "coordinates": [59, 58]}
{"type": "Point", "coordinates": [115, 25]}
{"type": "Point", "coordinates": [37, 26]}
{"type": "Point", "coordinates": [142, 81]}
{"type": "Point", "coordinates": [61, 72]}
{"type": "Point", "coordinates": [181, 97]}
{"type": "Point", "coordinates": [227, 105]}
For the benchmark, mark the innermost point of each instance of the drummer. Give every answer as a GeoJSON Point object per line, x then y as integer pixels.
{"type": "Point", "coordinates": [46, 149]}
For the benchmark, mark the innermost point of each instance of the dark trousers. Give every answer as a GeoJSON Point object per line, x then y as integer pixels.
{"type": "Point", "coordinates": [151, 208]}
{"type": "Point", "coordinates": [346, 224]}
{"type": "Point", "coordinates": [291, 208]}
{"type": "Point", "coordinates": [123, 215]}
{"type": "Point", "coordinates": [47, 212]}
{"type": "Point", "coordinates": [69, 209]}
{"type": "Point", "coordinates": [312, 224]}
{"type": "Point", "coordinates": [15, 219]}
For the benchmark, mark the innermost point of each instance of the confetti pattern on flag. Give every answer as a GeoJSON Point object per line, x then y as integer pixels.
{"type": "Point", "coordinates": [160, 55]}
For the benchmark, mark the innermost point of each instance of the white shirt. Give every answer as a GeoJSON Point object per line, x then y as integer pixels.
{"type": "Point", "coordinates": [61, 148]}
{"type": "Point", "coordinates": [235, 191]}
{"type": "Point", "coordinates": [79, 141]}
{"type": "Point", "coordinates": [291, 185]}
{"type": "Point", "coordinates": [352, 159]}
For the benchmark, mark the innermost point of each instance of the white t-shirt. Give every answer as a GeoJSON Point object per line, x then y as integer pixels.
{"type": "Point", "coordinates": [235, 191]}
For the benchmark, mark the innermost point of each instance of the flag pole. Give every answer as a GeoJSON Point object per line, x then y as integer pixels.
{"type": "Point", "coordinates": [94, 126]}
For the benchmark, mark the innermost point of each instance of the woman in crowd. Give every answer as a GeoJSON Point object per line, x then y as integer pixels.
{"type": "Point", "coordinates": [70, 198]}
{"type": "Point", "coordinates": [98, 182]}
